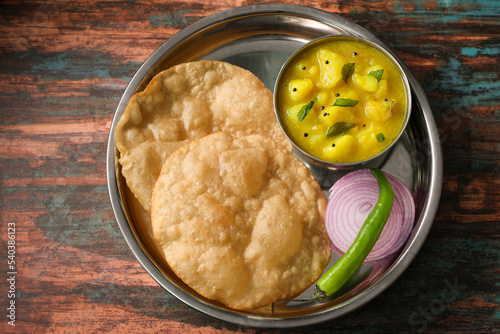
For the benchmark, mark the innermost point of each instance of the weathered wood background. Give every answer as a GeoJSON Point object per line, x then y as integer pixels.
{"type": "Point", "coordinates": [63, 68]}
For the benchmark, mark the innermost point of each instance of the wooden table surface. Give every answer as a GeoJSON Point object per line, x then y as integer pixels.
{"type": "Point", "coordinates": [64, 66]}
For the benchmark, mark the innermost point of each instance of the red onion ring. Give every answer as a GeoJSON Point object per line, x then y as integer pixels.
{"type": "Point", "coordinates": [351, 200]}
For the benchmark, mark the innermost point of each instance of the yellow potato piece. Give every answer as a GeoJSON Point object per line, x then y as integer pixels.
{"type": "Point", "coordinates": [300, 88]}
{"type": "Point", "coordinates": [331, 64]}
{"type": "Point", "coordinates": [382, 89]}
{"type": "Point", "coordinates": [331, 115]}
{"type": "Point", "coordinates": [344, 146]}
{"type": "Point", "coordinates": [366, 82]}
{"type": "Point", "coordinates": [324, 97]}
{"type": "Point", "coordinates": [293, 112]}
{"type": "Point", "coordinates": [316, 139]}
{"type": "Point", "coordinates": [379, 110]}
{"type": "Point", "coordinates": [369, 140]}
{"type": "Point", "coordinates": [314, 71]}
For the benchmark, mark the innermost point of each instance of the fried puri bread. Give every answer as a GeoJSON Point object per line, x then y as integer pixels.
{"type": "Point", "coordinates": [240, 220]}
{"type": "Point", "coordinates": [183, 103]}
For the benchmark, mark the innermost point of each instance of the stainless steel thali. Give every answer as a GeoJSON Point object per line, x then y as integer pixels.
{"type": "Point", "coordinates": [260, 38]}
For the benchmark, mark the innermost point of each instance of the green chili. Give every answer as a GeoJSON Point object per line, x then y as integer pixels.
{"type": "Point", "coordinates": [346, 266]}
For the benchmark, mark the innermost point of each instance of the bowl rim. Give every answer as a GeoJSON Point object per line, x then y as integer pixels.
{"type": "Point", "coordinates": [385, 52]}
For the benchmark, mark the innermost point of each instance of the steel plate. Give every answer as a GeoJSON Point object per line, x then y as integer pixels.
{"type": "Point", "coordinates": [260, 38]}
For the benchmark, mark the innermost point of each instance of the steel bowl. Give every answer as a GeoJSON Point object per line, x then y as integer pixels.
{"type": "Point", "coordinates": [315, 162]}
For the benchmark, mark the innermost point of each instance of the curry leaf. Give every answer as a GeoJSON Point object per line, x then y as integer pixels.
{"type": "Point", "coordinates": [305, 110]}
{"type": "Point", "coordinates": [340, 102]}
{"type": "Point", "coordinates": [377, 74]}
{"type": "Point", "coordinates": [339, 128]}
{"type": "Point", "coordinates": [347, 71]}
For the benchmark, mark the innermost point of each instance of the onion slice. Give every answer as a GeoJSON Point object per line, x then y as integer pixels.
{"type": "Point", "coordinates": [352, 198]}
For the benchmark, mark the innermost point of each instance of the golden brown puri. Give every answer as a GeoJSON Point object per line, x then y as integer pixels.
{"type": "Point", "coordinates": [186, 102]}
{"type": "Point", "coordinates": [240, 220]}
